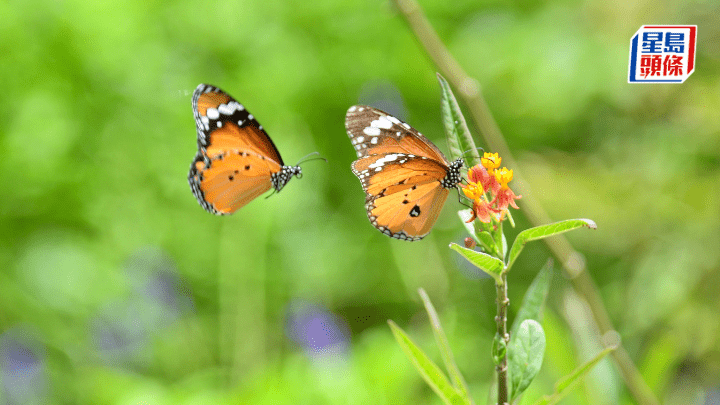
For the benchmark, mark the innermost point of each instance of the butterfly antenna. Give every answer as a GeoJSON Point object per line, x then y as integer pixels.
{"type": "Point", "coordinates": [470, 150]}
{"type": "Point", "coordinates": [305, 158]}
{"type": "Point", "coordinates": [273, 192]}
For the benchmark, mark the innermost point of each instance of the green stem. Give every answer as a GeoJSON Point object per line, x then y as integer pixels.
{"type": "Point", "coordinates": [471, 94]}
{"type": "Point", "coordinates": [501, 320]}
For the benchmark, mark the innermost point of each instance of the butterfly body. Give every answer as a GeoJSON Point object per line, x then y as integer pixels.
{"type": "Point", "coordinates": [405, 177]}
{"type": "Point", "coordinates": [236, 160]}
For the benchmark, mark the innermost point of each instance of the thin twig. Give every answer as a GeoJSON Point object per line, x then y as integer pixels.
{"type": "Point", "coordinates": [572, 261]}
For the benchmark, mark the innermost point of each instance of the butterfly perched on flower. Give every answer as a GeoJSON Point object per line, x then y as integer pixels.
{"type": "Point", "coordinates": [405, 177]}
{"type": "Point", "coordinates": [236, 160]}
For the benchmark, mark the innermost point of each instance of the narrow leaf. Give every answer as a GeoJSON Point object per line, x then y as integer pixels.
{"type": "Point", "coordinates": [544, 231]}
{"type": "Point", "coordinates": [458, 135]}
{"type": "Point", "coordinates": [525, 355]}
{"type": "Point", "coordinates": [563, 387]}
{"type": "Point", "coordinates": [430, 372]}
{"type": "Point", "coordinates": [481, 237]}
{"type": "Point", "coordinates": [483, 261]}
{"type": "Point", "coordinates": [500, 241]}
{"type": "Point", "coordinates": [445, 352]}
{"type": "Point", "coordinates": [534, 300]}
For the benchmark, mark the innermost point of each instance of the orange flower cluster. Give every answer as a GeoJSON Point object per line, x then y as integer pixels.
{"type": "Point", "coordinates": [488, 178]}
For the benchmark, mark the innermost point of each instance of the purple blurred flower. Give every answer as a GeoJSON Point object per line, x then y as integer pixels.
{"type": "Point", "coordinates": [318, 331]}
{"type": "Point", "coordinates": [119, 334]}
{"type": "Point", "coordinates": [154, 276]}
{"type": "Point", "coordinates": [22, 368]}
{"type": "Point", "coordinates": [122, 329]}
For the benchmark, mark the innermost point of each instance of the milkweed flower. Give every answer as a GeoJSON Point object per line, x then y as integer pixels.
{"type": "Point", "coordinates": [487, 186]}
{"type": "Point", "coordinates": [505, 197]}
{"type": "Point", "coordinates": [490, 161]}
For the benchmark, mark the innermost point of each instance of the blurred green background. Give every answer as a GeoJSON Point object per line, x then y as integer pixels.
{"type": "Point", "coordinates": [117, 288]}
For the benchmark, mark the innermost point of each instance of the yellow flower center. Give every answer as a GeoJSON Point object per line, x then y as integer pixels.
{"type": "Point", "coordinates": [503, 176]}
{"type": "Point", "coordinates": [473, 191]}
{"type": "Point", "coordinates": [490, 161]}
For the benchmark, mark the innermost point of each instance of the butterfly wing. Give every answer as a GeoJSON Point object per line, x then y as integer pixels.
{"type": "Point", "coordinates": [226, 183]}
{"type": "Point", "coordinates": [236, 159]}
{"type": "Point", "coordinates": [372, 131]}
{"type": "Point", "coordinates": [224, 124]}
{"type": "Point", "coordinates": [404, 193]}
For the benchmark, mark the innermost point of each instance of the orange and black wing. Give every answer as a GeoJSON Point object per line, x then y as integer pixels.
{"type": "Point", "coordinates": [372, 131]}
{"type": "Point", "coordinates": [225, 183]}
{"type": "Point", "coordinates": [236, 159]}
{"type": "Point", "coordinates": [404, 193]}
{"type": "Point", "coordinates": [223, 124]}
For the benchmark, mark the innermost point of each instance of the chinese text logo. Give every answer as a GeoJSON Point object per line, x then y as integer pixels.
{"type": "Point", "coordinates": [662, 54]}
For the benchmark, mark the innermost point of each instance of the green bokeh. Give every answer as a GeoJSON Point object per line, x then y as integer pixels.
{"type": "Point", "coordinates": [116, 287]}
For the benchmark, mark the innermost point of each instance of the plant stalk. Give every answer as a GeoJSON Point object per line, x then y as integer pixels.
{"type": "Point", "coordinates": [501, 320]}
{"type": "Point", "coordinates": [573, 264]}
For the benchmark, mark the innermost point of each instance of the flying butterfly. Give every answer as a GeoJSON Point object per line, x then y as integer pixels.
{"type": "Point", "coordinates": [236, 160]}
{"type": "Point", "coordinates": [405, 177]}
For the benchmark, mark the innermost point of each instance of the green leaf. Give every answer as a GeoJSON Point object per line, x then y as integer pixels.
{"type": "Point", "coordinates": [481, 237]}
{"type": "Point", "coordinates": [483, 261]}
{"type": "Point", "coordinates": [458, 135]}
{"type": "Point", "coordinates": [525, 355]}
{"type": "Point", "coordinates": [445, 352]}
{"type": "Point", "coordinates": [430, 372]}
{"type": "Point", "coordinates": [544, 231]}
{"type": "Point", "coordinates": [500, 241]}
{"type": "Point", "coordinates": [534, 300]}
{"type": "Point", "coordinates": [499, 349]}
{"type": "Point", "coordinates": [563, 387]}
{"type": "Point", "coordinates": [504, 246]}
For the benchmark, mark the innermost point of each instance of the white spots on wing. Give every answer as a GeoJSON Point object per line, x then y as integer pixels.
{"type": "Point", "coordinates": [385, 159]}
{"type": "Point", "coordinates": [229, 108]}
{"type": "Point", "coordinates": [361, 109]}
{"type": "Point", "coordinates": [406, 125]}
{"type": "Point", "coordinates": [374, 140]}
{"type": "Point", "coordinates": [363, 175]}
{"type": "Point", "coordinates": [219, 124]}
{"type": "Point", "coordinates": [205, 122]}
{"type": "Point", "coordinates": [381, 122]}
{"type": "Point", "coordinates": [372, 131]}
{"type": "Point", "coordinates": [250, 116]}
{"type": "Point", "coordinates": [212, 113]}
{"type": "Point", "coordinates": [352, 109]}
{"type": "Point", "coordinates": [398, 133]}
{"type": "Point", "coordinates": [358, 142]}
{"type": "Point", "coordinates": [240, 123]}
{"type": "Point", "coordinates": [393, 119]}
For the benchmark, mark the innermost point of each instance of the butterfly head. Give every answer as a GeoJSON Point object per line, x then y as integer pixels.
{"type": "Point", "coordinates": [280, 179]}
{"type": "Point", "coordinates": [453, 174]}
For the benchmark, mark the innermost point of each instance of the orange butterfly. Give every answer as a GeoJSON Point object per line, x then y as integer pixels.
{"type": "Point", "coordinates": [236, 159]}
{"type": "Point", "coordinates": [405, 177]}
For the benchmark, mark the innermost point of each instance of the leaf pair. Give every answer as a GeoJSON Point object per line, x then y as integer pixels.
{"type": "Point", "coordinates": [494, 267]}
